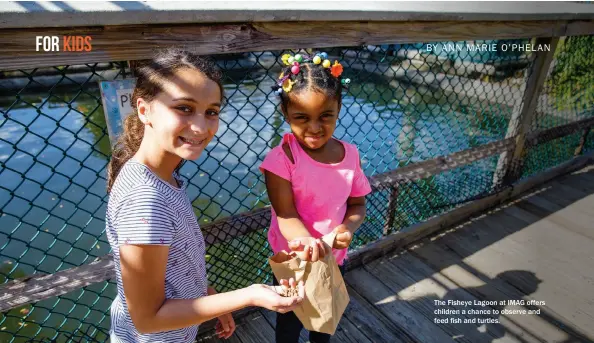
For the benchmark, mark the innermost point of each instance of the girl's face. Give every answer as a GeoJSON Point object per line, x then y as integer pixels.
{"type": "Point", "coordinates": [312, 116]}
{"type": "Point", "coordinates": [184, 117]}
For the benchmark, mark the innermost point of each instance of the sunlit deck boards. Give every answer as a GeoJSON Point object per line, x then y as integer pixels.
{"type": "Point", "coordinates": [537, 247]}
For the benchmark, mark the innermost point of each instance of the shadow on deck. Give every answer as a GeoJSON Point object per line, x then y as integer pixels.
{"type": "Point", "coordinates": [536, 248]}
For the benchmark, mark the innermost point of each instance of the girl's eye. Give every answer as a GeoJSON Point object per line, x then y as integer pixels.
{"type": "Point", "coordinates": [327, 115]}
{"type": "Point", "coordinates": [212, 113]}
{"type": "Point", "coordinates": [185, 109]}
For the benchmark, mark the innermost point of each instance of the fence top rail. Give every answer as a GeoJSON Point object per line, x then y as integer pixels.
{"type": "Point", "coordinates": [22, 14]}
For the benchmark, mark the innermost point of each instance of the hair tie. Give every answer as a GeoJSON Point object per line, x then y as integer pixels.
{"type": "Point", "coordinates": [285, 84]}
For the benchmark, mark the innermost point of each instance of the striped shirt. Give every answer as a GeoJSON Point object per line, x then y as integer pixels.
{"type": "Point", "coordinates": [144, 209]}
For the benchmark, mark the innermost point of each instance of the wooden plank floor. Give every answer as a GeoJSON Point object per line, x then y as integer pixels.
{"type": "Point", "coordinates": [537, 248]}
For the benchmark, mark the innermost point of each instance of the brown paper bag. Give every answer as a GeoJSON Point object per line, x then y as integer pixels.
{"type": "Point", "coordinates": [326, 296]}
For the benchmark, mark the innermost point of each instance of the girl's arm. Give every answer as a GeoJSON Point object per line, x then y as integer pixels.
{"type": "Point", "coordinates": [291, 227]}
{"type": "Point", "coordinates": [356, 210]}
{"type": "Point", "coordinates": [143, 277]}
{"type": "Point", "coordinates": [353, 218]}
{"type": "Point", "coordinates": [355, 213]}
{"type": "Point", "coordinates": [280, 194]}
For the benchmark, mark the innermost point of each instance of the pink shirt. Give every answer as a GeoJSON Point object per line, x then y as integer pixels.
{"type": "Point", "coordinates": [320, 190]}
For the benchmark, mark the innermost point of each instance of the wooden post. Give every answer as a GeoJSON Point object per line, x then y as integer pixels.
{"type": "Point", "coordinates": [392, 204]}
{"type": "Point", "coordinates": [583, 139]}
{"type": "Point", "coordinates": [509, 165]}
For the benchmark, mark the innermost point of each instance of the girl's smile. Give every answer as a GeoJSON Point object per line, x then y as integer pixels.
{"type": "Point", "coordinates": [196, 142]}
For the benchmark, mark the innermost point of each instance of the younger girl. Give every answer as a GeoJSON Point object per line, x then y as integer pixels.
{"type": "Point", "coordinates": [315, 182]}
{"type": "Point", "coordinates": [159, 252]}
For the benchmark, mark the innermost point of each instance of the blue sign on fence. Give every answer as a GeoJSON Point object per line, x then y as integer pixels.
{"type": "Point", "coordinates": [117, 97]}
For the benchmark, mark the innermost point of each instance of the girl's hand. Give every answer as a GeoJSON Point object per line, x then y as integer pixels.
{"type": "Point", "coordinates": [270, 297]}
{"type": "Point", "coordinates": [344, 237]}
{"type": "Point", "coordinates": [225, 326]}
{"type": "Point", "coordinates": [309, 248]}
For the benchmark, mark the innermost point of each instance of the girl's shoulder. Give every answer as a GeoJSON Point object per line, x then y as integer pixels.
{"type": "Point", "coordinates": [287, 151]}
{"type": "Point", "coordinates": [351, 150]}
{"type": "Point", "coordinates": [138, 184]}
{"type": "Point", "coordinates": [279, 153]}
{"type": "Point", "coordinates": [283, 151]}
{"type": "Point", "coordinates": [131, 176]}
{"type": "Point", "coordinates": [279, 160]}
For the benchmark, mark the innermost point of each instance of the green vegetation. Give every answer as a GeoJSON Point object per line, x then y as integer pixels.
{"type": "Point", "coordinates": [572, 77]}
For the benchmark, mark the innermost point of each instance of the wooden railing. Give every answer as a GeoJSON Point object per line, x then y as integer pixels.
{"type": "Point", "coordinates": [134, 35]}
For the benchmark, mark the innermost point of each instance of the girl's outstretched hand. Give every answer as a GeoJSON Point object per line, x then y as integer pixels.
{"type": "Point", "coordinates": [309, 248]}
{"type": "Point", "coordinates": [271, 297]}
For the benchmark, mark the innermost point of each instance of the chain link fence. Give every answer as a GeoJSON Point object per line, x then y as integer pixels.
{"type": "Point", "coordinates": [404, 105]}
{"type": "Point", "coordinates": [567, 96]}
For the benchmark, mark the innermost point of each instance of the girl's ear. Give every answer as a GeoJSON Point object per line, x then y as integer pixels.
{"type": "Point", "coordinates": [143, 110]}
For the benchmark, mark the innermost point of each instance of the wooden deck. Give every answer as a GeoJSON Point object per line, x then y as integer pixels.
{"type": "Point", "coordinates": [536, 247]}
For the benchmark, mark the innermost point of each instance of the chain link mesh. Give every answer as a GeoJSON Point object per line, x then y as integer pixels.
{"type": "Point", "coordinates": [404, 105]}
{"type": "Point", "coordinates": [567, 96]}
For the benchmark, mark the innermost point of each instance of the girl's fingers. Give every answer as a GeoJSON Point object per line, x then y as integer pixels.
{"type": "Point", "coordinates": [315, 254]}
{"type": "Point", "coordinates": [301, 288]}
{"type": "Point", "coordinates": [289, 302]}
{"type": "Point", "coordinates": [278, 289]}
{"type": "Point", "coordinates": [296, 245]}
{"type": "Point", "coordinates": [225, 330]}
{"type": "Point", "coordinates": [343, 240]}
{"type": "Point", "coordinates": [304, 254]}
{"type": "Point", "coordinates": [219, 330]}
{"type": "Point", "coordinates": [285, 309]}
{"type": "Point", "coordinates": [343, 236]}
{"type": "Point", "coordinates": [340, 245]}
{"type": "Point", "coordinates": [322, 248]}
{"type": "Point", "coordinates": [292, 283]}
{"type": "Point", "coordinates": [232, 330]}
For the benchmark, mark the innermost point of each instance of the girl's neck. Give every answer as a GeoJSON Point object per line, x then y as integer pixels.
{"type": "Point", "coordinates": [329, 153]}
{"type": "Point", "coordinates": [159, 161]}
